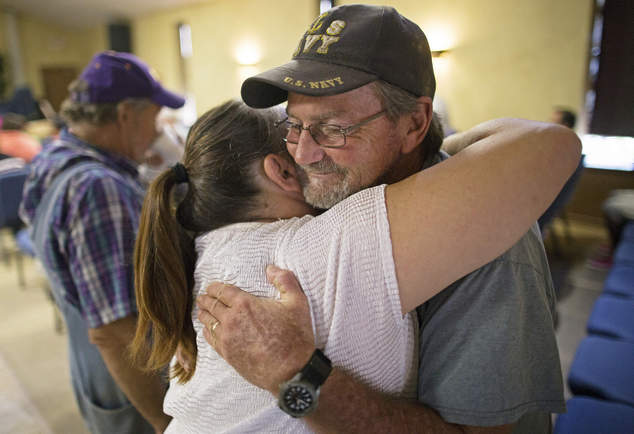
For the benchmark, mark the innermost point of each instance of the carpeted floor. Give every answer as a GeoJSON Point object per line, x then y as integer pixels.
{"type": "Point", "coordinates": [578, 284]}
{"type": "Point", "coordinates": [17, 411]}
{"type": "Point", "coordinates": [35, 391]}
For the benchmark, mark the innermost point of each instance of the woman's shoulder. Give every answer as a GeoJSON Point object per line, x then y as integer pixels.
{"type": "Point", "coordinates": [246, 235]}
{"type": "Point", "coordinates": [367, 204]}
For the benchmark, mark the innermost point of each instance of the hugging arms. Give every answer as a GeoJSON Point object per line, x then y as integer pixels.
{"type": "Point", "coordinates": [278, 351]}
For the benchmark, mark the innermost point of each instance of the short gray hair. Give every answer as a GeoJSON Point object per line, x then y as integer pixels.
{"type": "Point", "coordinates": [73, 111]}
{"type": "Point", "coordinates": [398, 102]}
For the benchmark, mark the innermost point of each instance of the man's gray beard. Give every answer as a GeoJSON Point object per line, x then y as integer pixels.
{"type": "Point", "coordinates": [329, 198]}
{"type": "Point", "coordinates": [325, 197]}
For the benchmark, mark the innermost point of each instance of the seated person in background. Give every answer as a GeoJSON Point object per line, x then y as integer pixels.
{"type": "Point", "coordinates": [360, 262]}
{"type": "Point", "coordinates": [14, 142]}
{"type": "Point", "coordinates": [565, 117]}
{"type": "Point", "coordinates": [568, 119]}
{"type": "Point", "coordinates": [488, 354]}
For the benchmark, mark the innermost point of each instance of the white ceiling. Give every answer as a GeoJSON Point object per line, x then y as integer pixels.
{"type": "Point", "coordinates": [86, 13]}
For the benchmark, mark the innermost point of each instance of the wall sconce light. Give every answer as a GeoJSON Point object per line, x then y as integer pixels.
{"type": "Point", "coordinates": [439, 53]}
{"type": "Point", "coordinates": [441, 40]}
{"type": "Point", "coordinates": [247, 53]}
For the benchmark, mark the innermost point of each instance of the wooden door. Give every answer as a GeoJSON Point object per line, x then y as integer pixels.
{"type": "Point", "coordinates": [56, 80]}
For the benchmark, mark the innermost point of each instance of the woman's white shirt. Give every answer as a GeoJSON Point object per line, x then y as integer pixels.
{"type": "Point", "coordinates": [343, 261]}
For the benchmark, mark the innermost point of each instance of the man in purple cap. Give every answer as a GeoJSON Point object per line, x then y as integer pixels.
{"type": "Point", "coordinates": [82, 200]}
{"type": "Point", "coordinates": [359, 113]}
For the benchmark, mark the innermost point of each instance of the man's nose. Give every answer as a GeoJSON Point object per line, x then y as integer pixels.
{"type": "Point", "coordinates": [306, 150]}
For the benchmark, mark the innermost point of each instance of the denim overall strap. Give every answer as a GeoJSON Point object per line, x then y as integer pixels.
{"type": "Point", "coordinates": [104, 407]}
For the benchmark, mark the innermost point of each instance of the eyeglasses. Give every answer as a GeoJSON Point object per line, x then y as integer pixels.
{"type": "Point", "coordinates": [325, 135]}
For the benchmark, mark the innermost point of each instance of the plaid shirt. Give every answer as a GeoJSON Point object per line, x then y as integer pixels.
{"type": "Point", "coordinates": [91, 237]}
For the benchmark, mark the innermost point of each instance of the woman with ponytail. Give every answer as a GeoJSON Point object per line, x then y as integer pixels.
{"type": "Point", "coordinates": [222, 148]}
{"type": "Point", "coordinates": [235, 205]}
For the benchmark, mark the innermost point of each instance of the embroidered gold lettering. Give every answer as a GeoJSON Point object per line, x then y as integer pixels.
{"type": "Point", "coordinates": [335, 27]}
{"type": "Point", "coordinates": [317, 23]}
{"type": "Point", "coordinates": [310, 41]}
{"type": "Point", "coordinates": [288, 79]}
{"type": "Point", "coordinates": [326, 41]}
{"type": "Point", "coordinates": [324, 84]}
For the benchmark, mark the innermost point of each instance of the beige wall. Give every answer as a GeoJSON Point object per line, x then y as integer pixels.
{"type": "Point", "coordinates": [218, 27]}
{"type": "Point", "coordinates": [3, 42]}
{"type": "Point", "coordinates": [45, 44]}
{"type": "Point", "coordinates": [507, 58]}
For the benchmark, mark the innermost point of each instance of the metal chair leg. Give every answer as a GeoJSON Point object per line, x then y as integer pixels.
{"type": "Point", "coordinates": [57, 316]}
{"type": "Point", "coordinates": [20, 266]}
{"type": "Point", "coordinates": [3, 250]}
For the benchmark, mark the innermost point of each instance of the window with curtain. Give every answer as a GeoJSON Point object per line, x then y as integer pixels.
{"type": "Point", "coordinates": [612, 111]}
{"type": "Point", "coordinates": [610, 96]}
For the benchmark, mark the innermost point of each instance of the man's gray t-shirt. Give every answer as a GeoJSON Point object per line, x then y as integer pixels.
{"type": "Point", "coordinates": [488, 354]}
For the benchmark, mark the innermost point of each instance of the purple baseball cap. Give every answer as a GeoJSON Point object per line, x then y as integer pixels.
{"type": "Point", "coordinates": [113, 76]}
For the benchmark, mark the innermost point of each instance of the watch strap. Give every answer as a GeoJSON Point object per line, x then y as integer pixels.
{"type": "Point", "coordinates": [317, 369]}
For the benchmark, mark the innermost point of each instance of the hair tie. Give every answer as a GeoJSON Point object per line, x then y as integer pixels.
{"type": "Point", "coordinates": [180, 172]}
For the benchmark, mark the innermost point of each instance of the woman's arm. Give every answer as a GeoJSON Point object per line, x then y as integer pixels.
{"type": "Point", "coordinates": [451, 219]}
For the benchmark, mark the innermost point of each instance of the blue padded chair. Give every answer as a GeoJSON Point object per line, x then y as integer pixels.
{"type": "Point", "coordinates": [592, 416]}
{"type": "Point", "coordinates": [613, 317]}
{"type": "Point", "coordinates": [23, 240]}
{"type": "Point", "coordinates": [624, 253]}
{"type": "Point", "coordinates": [11, 185]}
{"type": "Point", "coordinates": [628, 232]}
{"type": "Point", "coordinates": [603, 368]}
{"type": "Point", "coordinates": [620, 281]}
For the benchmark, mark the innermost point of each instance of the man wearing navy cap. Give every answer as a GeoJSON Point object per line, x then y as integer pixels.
{"type": "Point", "coordinates": [359, 88]}
{"type": "Point", "coordinates": [82, 200]}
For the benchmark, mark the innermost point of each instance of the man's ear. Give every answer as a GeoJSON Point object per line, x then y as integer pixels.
{"type": "Point", "coordinates": [282, 173]}
{"type": "Point", "coordinates": [417, 124]}
{"type": "Point", "coordinates": [124, 112]}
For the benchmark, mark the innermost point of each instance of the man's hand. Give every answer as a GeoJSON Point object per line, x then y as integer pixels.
{"type": "Point", "coordinates": [266, 341]}
{"type": "Point", "coordinates": [144, 390]}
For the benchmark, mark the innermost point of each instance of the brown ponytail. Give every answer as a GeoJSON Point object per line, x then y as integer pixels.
{"type": "Point", "coordinates": [164, 259]}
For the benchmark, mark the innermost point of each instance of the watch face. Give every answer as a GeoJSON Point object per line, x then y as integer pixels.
{"type": "Point", "coordinates": [298, 399]}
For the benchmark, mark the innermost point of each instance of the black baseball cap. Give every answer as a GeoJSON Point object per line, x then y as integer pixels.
{"type": "Point", "coordinates": [345, 48]}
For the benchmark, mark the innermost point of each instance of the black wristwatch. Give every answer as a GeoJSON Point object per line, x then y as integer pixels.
{"type": "Point", "coordinates": [299, 396]}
